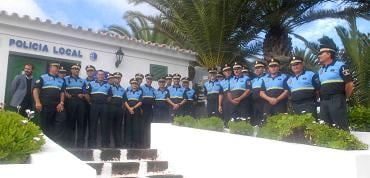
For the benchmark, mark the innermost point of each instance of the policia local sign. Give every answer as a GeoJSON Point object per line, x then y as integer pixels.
{"type": "Point", "coordinates": [58, 50]}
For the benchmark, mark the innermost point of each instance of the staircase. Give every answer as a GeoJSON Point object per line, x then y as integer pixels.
{"type": "Point", "coordinates": [125, 163]}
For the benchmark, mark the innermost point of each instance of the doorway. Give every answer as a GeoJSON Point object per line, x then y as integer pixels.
{"type": "Point", "coordinates": [16, 63]}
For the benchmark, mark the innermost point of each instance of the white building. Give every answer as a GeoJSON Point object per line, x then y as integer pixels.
{"type": "Point", "coordinates": [25, 40]}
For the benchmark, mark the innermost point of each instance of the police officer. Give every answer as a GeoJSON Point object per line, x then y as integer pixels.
{"type": "Point", "coordinates": [249, 104]}
{"type": "Point", "coordinates": [178, 96]}
{"type": "Point", "coordinates": [98, 94]}
{"type": "Point", "coordinates": [239, 89]}
{"type": "Point", "coordinates": [75, 107]}
{"type": "Point", "coordinates": [336, 86]}
{"type": "Point", "coordinates": [303, 88]}
{"type": "Point", "coordinates": [168, 80]}
{"type": "Point", "coordinates": [139, 78]}
{"type": "Point", "coordinates": [116, 112]}
{"type": "Point", "coordinates": [49, 99]}
{"type": "Point", "coordinates": [162, 100]}
{"type": "Point", "coordinates": [90, 72]}
{"type": "Point", "coordinates": [147, 106]}
{"type": "Point", "coordinates": [258, 102]}
{"type": "Point", "coordinates": [190, 93]}
{"type": "Point", "coordinates": [133, 116]}
{"type": "Point", "coordinates": [213, 93]}
{"type": "Point", "coordinates": [110, 78]}
{"type": "Point", "coordinates": [62, 73]}
{"type": "Point", "coordinates": [274, 89]}
{"type": "Point", "coordinates": [225, 107]}
{"type": "Point", "coordinates": [245, 71]}
{"type": "Point", "coordinates": [219, 76]}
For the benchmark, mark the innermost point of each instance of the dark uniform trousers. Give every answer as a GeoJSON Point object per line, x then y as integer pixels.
{"type": "Point", "coordinates": [188, 108]}
{"type": "Point", "coordinates": [116, 113]}
{"type": "Point", "coordinates": [53, 123]}
{"type": "Point", "coordinates": [306, 106]}
{"type": "Point", "coordinates": [240, 110]}
{"type": "Point", "coordinates": [278, 108]}
{"type": "Point", "coordinates": [161, 112]}
{"type": "Point", "coordinates": [147, 120]}
{"type": "Point", "coordinates": [98, 112]}
{"type": "Point", "coordinates": [212, 105]}
{"type": "Point", "coordinates": [226, 109]}
{"type": "Point", "coordinates": [75, 108]}
{"type": "Point", "coordinates": [258, 113]}
{"type": "Point", "coordinates": [179, 111]}
{"type": "Point", "coordinates": [334, 106]}
{"type": "Point", "coordinates": [133, 129]}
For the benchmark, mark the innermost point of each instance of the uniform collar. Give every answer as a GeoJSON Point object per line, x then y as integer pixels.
{"type": "Point", "coordinates": [278, 74]}
{"type": "Point", "coordinates": [302, 73]}
{"type": "Point", "coordinates": [133, 91]}
{"type": "Point", "coordinates": [54, 76]}
{"type": "Point", "coordinates": [88, 79]}
{"type": "Point", "coordinates": [176, 86]}
{"type": "Point", "coordinates": [238, 77]}
{"type": "Point", "coordinates": [117, 86]}
{"type": "Point", "coordinates": [75, 77]}
{"type": "Point", "coordinates": [148, 86]}
{"type": "Point", "coordinates": [100, 82]}
{"type": "Point", "coordinates": [260, 76]}
{"type": "Point", "coordinates": [331, 64]}
{"type": "Point", "coordinates": [164, 89]}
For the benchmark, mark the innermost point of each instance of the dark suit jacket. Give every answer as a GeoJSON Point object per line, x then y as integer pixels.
{"type": "Point", "coordinates": [19, 89]}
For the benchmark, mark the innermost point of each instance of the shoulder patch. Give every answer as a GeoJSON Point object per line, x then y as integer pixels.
{"type": "Point", "coordinates": [346, 72]}
{"type": "Point", "coordinates": [38, 81]}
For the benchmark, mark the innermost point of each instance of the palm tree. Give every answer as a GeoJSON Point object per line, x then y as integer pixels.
{"type": "Point", "coordinates": [356, 53]}
{"type": "Point", "coordinates": [139, 28]}
{"type": "Point", "coordinates": [210, 28]}
{"type": "Point", "coordinates": [279, 18]}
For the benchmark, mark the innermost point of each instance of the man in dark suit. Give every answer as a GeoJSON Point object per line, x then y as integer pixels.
{"type": "Point", "coordinates": [22, 90]}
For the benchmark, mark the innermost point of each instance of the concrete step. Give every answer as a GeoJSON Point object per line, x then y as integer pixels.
{"type": "Point", "coordinates": [129, 167]}
{"type": "Point", "coordinates": [114, 154]}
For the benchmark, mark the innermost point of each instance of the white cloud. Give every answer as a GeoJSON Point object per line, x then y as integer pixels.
{"type": "Point", "coordinates": [315, 30]}
{"type": "Point", "coordinates": [124, 5]}
{"type": "Point", "coordinates": [23, 7]}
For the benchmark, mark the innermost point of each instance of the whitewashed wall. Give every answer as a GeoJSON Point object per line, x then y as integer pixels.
{"type": "Point", "coordinates": [138, 54]}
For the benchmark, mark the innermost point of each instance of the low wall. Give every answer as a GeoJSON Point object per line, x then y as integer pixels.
{"type": "Point", "coordinates": [52, 161]}
{"type": "Point", "coordinates": [198, 153]}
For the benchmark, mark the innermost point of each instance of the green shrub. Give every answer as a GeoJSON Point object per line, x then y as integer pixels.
{"type": "Point", "coordinates": [359, 118]}
{"type": "Point", "coordinates": [303, 129]}
{"type": "Point", "coordinates": [186, 121]}
{"type": "Point", "coordinates": [18, 138]}
{"type": "Point", "coordinates": [325, 136]}
{"type": "Point", "coordinates": [282, 126]}
{"type": "Point", "coordinates": [242, 128]}
{"type": "Point", "coordinates": [212, 123]}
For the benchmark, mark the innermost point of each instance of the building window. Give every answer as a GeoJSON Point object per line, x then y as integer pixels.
{"type": "Point", "coordinates": [158, 71]}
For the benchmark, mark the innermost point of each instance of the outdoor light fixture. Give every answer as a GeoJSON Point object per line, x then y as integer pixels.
{"type": "Point", "coordinates": [119, 56]}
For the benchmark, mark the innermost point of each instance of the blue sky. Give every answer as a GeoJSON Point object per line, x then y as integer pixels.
{"type": "Point", "coordinates": [98, 14]}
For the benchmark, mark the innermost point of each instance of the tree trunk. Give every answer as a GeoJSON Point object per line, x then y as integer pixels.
{"type": "Point", "coordinates": [277, 44]}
